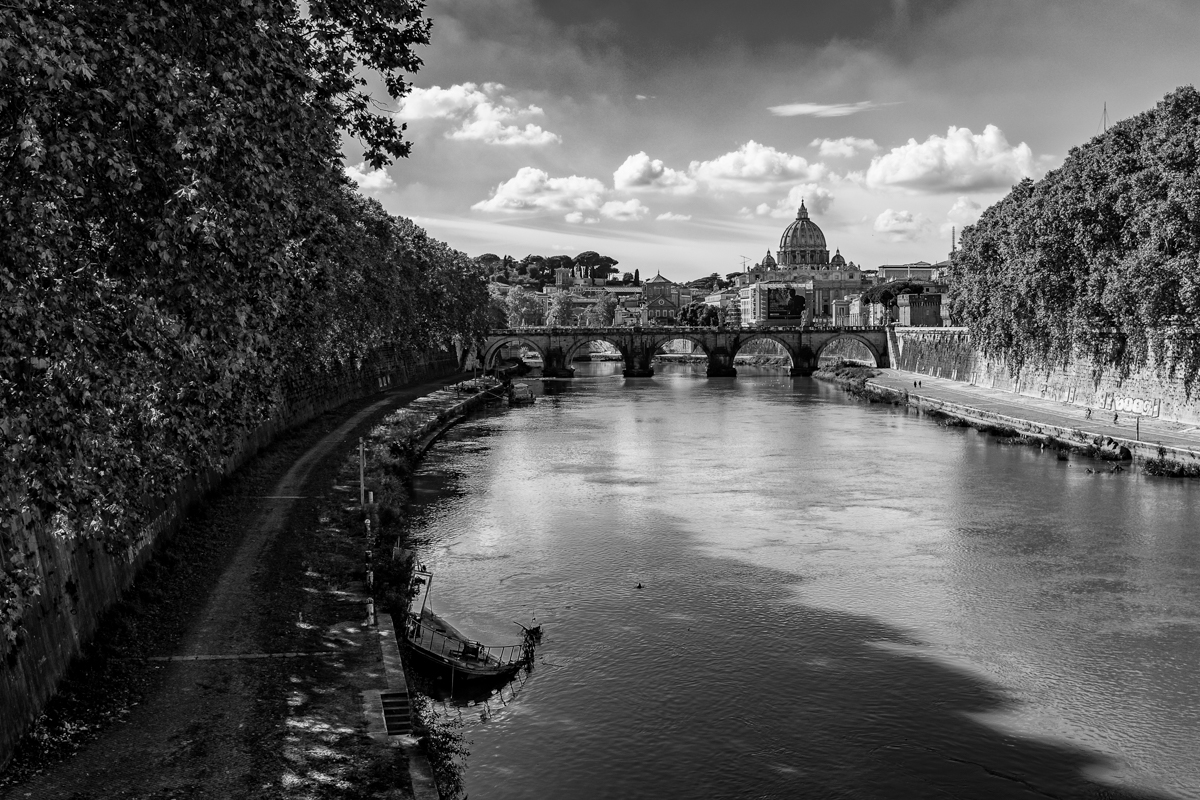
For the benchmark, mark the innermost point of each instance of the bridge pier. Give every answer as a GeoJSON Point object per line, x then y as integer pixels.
{"type": "Point", "coordinates": [804, 363]}
{"type": "Point", "coordinates": [554, 364]}
{"type": "Point", "coordinates": [720, 363]}
{"type": "Point", "coordinates": [638, 358]}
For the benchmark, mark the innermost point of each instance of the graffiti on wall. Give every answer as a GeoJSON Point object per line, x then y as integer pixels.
{"type": "Point", "coordinates": [1142, 406]}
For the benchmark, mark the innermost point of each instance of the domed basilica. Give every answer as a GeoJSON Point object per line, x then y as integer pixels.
{"type": "Point", "coordinates": [801, 265]}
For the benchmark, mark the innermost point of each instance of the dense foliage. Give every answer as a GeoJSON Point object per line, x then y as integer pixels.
{"type": "Point", "coordinates": [533, 271]}
{"type": "Point", "coordinates": [1099, 258]}
{"type": "Point", "coordinates": [178, 236]}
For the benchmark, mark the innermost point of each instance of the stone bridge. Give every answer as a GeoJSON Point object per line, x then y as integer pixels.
{"type": "Point", "coordinates": [638, 346]}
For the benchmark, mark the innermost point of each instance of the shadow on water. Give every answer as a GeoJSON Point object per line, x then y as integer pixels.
{"type": "Point", "coordinates": [718, 684]}
{"type": "Point", "coordinates": [847, 706]}
{"type": "Point", "coordinates": [715, 681]}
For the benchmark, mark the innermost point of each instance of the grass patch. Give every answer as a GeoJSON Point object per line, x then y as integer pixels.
{"type": "Point", "coordinates": [1170, 467]}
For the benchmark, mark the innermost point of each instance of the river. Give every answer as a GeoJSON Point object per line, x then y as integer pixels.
{"type": "Point", "coordinates": [838, 600]}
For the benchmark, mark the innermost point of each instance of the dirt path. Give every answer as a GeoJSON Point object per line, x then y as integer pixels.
{"type": "Point", "coordinates": [219, 712]}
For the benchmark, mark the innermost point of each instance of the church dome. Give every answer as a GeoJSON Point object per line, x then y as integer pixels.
{"type": "Point", "coordinates": [803, 242]}
{"type": "Point", "coordinates": [837, 261]}
{"type": "Point", "coordinates": [768, 261]}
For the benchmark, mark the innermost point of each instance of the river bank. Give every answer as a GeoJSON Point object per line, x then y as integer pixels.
{"type": "Point", "coordinates": [239, 663]}
{"type": "Point", "coordinates": [1160, 448]}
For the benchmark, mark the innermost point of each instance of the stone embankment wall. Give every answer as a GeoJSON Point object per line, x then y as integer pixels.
{"type": "Point", "coordinates": [81, 579]}
{"type": "Point", "coordinates": [947, 353]}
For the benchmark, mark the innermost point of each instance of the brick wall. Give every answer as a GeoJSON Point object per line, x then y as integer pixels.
{"type": "Point", "coordinates": [947, 353]}
{"type": "Point", "coordinates": [81, 581]}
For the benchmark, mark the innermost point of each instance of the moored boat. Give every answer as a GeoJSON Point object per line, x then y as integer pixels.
{"type": "Point", "coordinates": [520, 394]}
{"type": "Point", "coordinates": [441, 646]}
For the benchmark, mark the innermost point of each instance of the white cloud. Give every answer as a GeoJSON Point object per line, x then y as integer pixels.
{"type": "Point", "coordinates": [821, 109]}
{"type": "Point", "coordinates": [580, 199]}
{"type": "Point", "coordinates": [578, 217]}
{"type": "Point", "coordinates": [483, 114]}
{"type": "Point", "coordinates": [752, 165]}
{"type": "Point", "coordinates": [817, 199]}
{"type": "Point", "coordinates": [902, 226]}
{"type": "Point", "coordinates": [624, 210]}
{"type": "Point", "coordinates": [531, 189]}
{"type": "Point", "coordinates": [845, 147]}
{"type": "Point", "coordinates": [450, 103]}
{"type": "Point", "coordinates": [957, 161]}
{"type": "Point", "coordinates": [641, 172]}
{"type": "Point", "coordinates": [669, 216]}
{"type": "Point", "coordinates": [489, 128]}
{"type": "Point", "coordinates": [965, 211]}
{"type": "Point", "coordinates": [369, 180]}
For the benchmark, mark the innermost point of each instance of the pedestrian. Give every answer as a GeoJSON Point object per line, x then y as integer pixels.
{"type": "Point", "coordinates": [920, 383]}
{"type": "Point", "coordinates": [1087, 414]}
{"type": "Point", "coordinates": [1115, 417]}
{"type": "Point", "coordinates": [914, 384]}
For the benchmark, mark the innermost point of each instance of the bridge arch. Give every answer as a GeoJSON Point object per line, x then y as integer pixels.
{"type": "Point", "coordinates": [585, 338]}
{"type": "Point", "coordinates": [879, 357]}
{"type": "Point", "coordinates": [493, 348]}
{"type": "Point", "coordinates": [657, 342]}
{"type": "Point", "coordinates": [787, 346]}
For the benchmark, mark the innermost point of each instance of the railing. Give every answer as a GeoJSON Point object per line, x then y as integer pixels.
{"type": "Point", "coordinates": [469, 653]}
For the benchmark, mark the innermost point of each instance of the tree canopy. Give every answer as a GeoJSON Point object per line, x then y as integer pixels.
{"type": "Point", "coordinates": [1100, 257]}
{"type": "Point", "coordinates": [180, 241]}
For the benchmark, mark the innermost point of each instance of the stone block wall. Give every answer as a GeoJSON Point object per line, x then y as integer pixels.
{"type": "Point", "coordinates": [82, 579]}
{"type": "Point", "coordinates": [947, 353]}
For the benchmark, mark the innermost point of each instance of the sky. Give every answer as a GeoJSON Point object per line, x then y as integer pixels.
{"type": "Point", "coordinates": [682, 135]}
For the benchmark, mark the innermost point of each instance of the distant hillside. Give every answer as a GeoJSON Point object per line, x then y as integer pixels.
{"type": "Point", "coordinates": [1099, 258]}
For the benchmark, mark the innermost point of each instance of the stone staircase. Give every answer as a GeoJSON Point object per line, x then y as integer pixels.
{"type": "Point", "coordinates": [397, 713]}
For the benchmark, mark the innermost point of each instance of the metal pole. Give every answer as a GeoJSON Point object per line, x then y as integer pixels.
{"type": "Point", "coordinates": [362, 484]}
{"type": "Point", "coordinates": [1137, 423]}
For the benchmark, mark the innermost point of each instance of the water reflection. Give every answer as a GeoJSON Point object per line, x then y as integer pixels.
{"type": "Point", "coordinates": [839, 600]}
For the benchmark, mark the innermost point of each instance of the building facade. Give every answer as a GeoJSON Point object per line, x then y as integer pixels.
{"type": "Point", "coordinates": [802, 284]}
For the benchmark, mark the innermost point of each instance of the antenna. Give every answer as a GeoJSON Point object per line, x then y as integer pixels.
{"type": "Point", "coordinates": [745, 260]}
{"type": "Point", "coordinates": [1103, 126]}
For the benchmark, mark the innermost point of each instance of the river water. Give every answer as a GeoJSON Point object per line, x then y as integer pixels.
{"type": "Point", "coordinates": [839, 600]}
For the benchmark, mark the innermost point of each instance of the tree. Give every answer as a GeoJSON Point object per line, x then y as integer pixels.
{"type": "Point", "coordinates": [181, 244]}
{"type": "Point", "coordinates": [562, 311]}
{"type": "Point", "coordinates": [602, 312]}
{"type": "Point", "coordinates": [1098, 259]}
{"type": "Point", "coordinates": [637, 278]}
{"type": "Point", "coordinates": [627, 278]}
{"type": "Point", "coordinates": [523, 307]}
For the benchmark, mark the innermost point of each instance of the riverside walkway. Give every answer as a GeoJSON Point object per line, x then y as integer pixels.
{"type": "Point", "coordinates": [1153, 432]}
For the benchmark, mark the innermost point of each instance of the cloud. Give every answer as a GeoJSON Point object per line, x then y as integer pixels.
{"type": "Point", "coordinates": [641, 172]}
{"type": "Point", "coordinates": [902, 226]}
{"type": "Point", "coordinates": [369, 180]}
{"type": "Point", "coordinates": [965, 211]}
{"type": "Point", "coordinates": [624, 210]}
{"type": "Point", "coordinates": [817, 199]}
{"type": "Point", "coordinates": [583, 200]}
{"type": "Point", "coordinates": [668, 216]}
{"type": "Point", "coordinates": [821, 109]}
{"type": "Point", "coordinates": [752, 165]}
{"type": "Point", "coordinates": [483, 114]}
{"type": "Point", "coordinates": [578, 217]}
{"type": "Point", "coordinates": [450, 103]}
{"type": "Point", "coordinates": [845, 147]}
{"type": "Point", "coordinates": [531, 189]}
{"type": "Point", "coordinates": [960, 160]}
